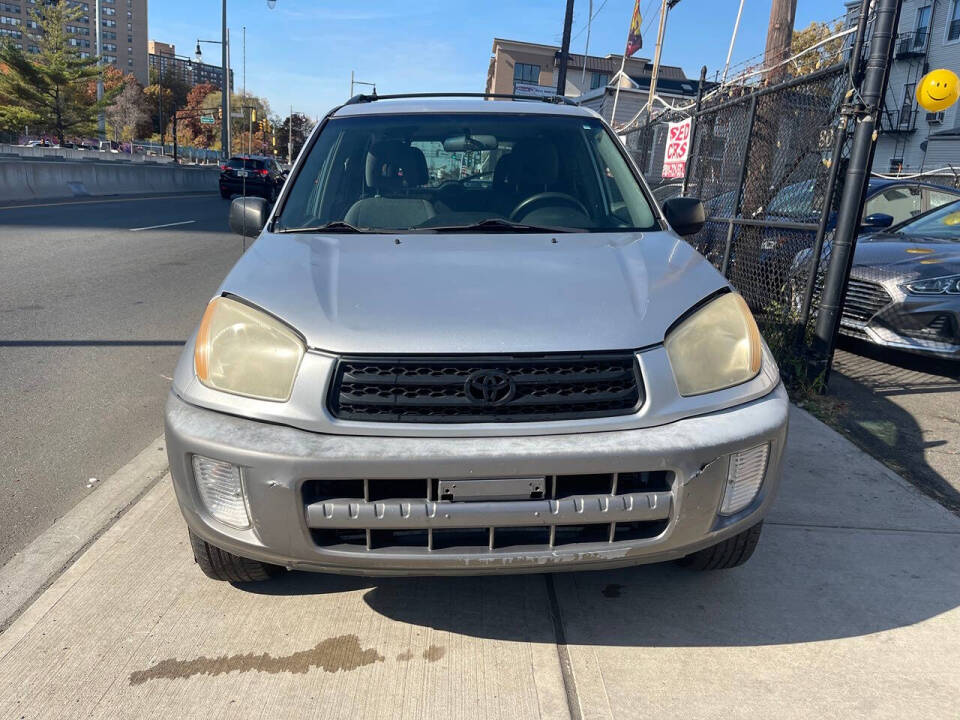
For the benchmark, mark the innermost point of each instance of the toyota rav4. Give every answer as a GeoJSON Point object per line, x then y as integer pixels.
{"type": "Point", "coordinates": [466, 340]}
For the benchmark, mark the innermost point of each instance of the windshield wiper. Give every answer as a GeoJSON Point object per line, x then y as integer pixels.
{"type": "Point", "coordinates": [332, 227]}
{"type": "Point", "coordinates": [497, 225]}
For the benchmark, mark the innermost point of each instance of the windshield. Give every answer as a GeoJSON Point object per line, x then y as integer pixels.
{"type": "Point", "coordinates": [794, 201]}
{"type": "Point", "coordinates": [943, 223]}
{"type": "Point", "coordinates": [423, 172]}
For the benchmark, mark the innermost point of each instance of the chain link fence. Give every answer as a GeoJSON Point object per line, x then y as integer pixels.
{"type": "Point", "coordinates": [763, 160]}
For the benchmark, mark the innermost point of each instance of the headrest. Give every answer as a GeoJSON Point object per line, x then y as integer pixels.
{"type": "Point", "coordinates": [535, 162]}
{"type": "Point", "coordinates": [393, 165]}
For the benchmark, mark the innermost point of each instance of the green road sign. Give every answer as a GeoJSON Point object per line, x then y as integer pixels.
{"type": "Point", "coordinates": [207, 120]}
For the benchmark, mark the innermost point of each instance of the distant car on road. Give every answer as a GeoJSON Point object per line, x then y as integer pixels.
{"type": "Point", "coordinates": [413, 372]}
{"type": "Point", "coordinates": [257, 175]}
{"type": "Point", "coordinates": [904, 287]}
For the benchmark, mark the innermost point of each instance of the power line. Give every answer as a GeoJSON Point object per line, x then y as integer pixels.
{"type": "Point", "coordinates": [592, 18]}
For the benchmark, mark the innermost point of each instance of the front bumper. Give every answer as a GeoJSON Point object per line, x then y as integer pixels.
{"type": "Point", "coordinates": [286, 528]}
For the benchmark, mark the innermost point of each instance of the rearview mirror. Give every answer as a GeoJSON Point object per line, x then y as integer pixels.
{"type": "Point", "coordinates": [248, 215]}
{"type": "Point", "coordinates": [469, 143]}
{"type": "Point", "coordinates": [876, 221]}
{"type": "Point", "coordinates": [685, 215]}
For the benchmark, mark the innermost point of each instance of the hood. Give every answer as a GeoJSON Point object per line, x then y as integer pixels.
{"type": "Point", "coordinates": [918, 257]}
{"type": "Point", "coordinates": [472, 293]}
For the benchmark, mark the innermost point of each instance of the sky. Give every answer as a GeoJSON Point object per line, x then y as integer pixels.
{"type": "Point", "coordinates": [301, 52]}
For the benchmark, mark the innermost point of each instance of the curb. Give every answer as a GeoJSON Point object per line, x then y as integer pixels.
{"type": "Point", "coordinates": [35, 567]}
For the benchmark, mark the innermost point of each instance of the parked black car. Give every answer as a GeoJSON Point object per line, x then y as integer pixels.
{"type": "Point", "coordinates": [257, 175]}
{"type": "Point", "coordinates": [904, 287]}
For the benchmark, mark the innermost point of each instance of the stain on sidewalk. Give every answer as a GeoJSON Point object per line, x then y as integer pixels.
{"type": "Point", "coordinates": [333, 654]}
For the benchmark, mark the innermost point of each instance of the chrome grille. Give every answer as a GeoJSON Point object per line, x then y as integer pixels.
{"type": "Point", "coordinates": [864, 300]}
{"type": "Point", "coordinates": [435, 389]}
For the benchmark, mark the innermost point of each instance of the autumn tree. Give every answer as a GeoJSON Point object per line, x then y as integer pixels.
{"type": "Point", "coordinates": [830, 53]}
{"type": "Point", "coordinates": [50, 87]}
{"type": "Point", "coordinates": [301, 124]}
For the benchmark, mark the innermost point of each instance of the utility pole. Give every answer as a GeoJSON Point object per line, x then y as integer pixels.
{"type": "Point", "coordinates": [225, 103]}
{"type": "Point", "coordinates": [290, 137]}
{"type": "Point", "coordinates": [779, 37]}
{"type": "Point", "coordinates": [101, 116]}
{"type": "Point", "coordinates": [866, 116]}
{"type": "Point", "coordinates": [565, 50]}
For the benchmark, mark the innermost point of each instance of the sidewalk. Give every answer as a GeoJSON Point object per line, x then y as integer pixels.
{"type": "Point", "coordinates": [848, 609]}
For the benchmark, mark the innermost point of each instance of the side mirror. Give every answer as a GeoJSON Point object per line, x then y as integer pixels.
{"type": "Point", "coordinates": [248, 215]}
{"type": "Point", "coordinates": [685, 215]}
{"type": "Point", "coordinates": [876, 221]}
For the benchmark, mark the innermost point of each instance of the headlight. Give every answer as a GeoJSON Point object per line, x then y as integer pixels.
{"type": "Point", "coordinates": [949, 285]}
{"type": "Point", "coordinates": [717, 347]}
{"type": "Point", "coordinates": [244, 351]}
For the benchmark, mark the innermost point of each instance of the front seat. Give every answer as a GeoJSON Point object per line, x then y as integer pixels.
{"type": "Point", "coordinates": [532, 167]}
{"type": "Point", "coordinates": [393, 170]}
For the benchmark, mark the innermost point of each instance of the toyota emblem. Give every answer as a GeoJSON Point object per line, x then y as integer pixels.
{"type": "Point", "coordinates": [490, 387]}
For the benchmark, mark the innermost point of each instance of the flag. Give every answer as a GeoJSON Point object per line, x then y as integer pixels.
{"type": "Point", "coordinates": [634, 40]}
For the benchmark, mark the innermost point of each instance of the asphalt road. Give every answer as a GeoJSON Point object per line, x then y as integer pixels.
{"type": "Point", "coordinates": [92, 317]}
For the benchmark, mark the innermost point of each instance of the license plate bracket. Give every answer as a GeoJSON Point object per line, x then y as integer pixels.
{"type": "Point", "coordinates": [492, 489]}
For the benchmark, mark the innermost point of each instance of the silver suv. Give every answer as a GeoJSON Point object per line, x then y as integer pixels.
{"type": "Point", "coordinates": [467, 341]}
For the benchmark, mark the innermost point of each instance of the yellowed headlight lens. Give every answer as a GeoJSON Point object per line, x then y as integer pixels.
{"type": "Point", "coordinates": [244, 351]}
{"type": "Point", "coordinates": [717, 347]}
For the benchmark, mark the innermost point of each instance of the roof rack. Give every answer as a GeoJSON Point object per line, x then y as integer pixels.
{"type": "Point", "coordinates": [555, 99]}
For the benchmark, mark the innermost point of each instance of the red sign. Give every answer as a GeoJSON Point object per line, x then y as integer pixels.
{"type": "Point", "coordinates": [677, 149]}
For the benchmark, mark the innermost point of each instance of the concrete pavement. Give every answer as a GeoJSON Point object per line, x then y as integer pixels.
{"type": "Point", "coordinates": [848, 609]}
{"type": "Point", "coordinates": [92, 316]}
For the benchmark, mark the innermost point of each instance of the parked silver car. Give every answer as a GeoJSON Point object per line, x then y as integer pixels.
{"type": "Point", "coordinates": [466, 341]}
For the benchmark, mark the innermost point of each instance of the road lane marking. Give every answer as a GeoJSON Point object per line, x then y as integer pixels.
{"type": "Point", "coordinates": [165, 225]}
{"type": "Point", "coordinates": [113, 200]}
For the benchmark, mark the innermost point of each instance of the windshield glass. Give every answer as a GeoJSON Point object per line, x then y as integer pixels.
{"type": "Point", "coordinates": [943, 223]}
{"type": "Point", "coordinates": [440, 172]}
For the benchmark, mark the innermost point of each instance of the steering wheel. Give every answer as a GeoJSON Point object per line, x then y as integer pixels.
{"type": "Point", "coordinates": [546, 198]}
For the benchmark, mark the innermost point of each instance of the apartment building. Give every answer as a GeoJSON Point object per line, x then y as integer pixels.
{"type": "Point", "coordinates": [123, 30]}
{"type": "Point", "coordinates": [162, 58]}
{"type": "Point", "coordinates": [523, 68]}
{"type": "Point", "coordinates": [912, 139]}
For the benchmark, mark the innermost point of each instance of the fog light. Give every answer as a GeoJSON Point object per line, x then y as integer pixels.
{"type": "Point", "coordinates": [744, 477]}
{"type": "Point", "coordinates": [221, 490]}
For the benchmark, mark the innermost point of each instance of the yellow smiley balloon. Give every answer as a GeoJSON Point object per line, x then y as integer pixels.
{"type": "Point", "coordinates": [938, 90]}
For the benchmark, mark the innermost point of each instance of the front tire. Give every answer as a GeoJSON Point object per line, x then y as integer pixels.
{"type": "Point", "coordinates": [729, 553]}
{"type": "Point", "coordinates": [218, 564]}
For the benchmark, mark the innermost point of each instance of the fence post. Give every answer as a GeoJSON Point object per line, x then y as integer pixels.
{"type": "Point", "coordinates": [693, 129]}
{"type": "Point", "coordinates": [835, 158]}
{"type": "Point", "coordinates": [740, 180]}
{"type": "Point", "coordinates": [874, 87]}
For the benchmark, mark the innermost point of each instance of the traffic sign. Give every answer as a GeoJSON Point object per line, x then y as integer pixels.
{"type": "Point", "coordinates": [206, 120]}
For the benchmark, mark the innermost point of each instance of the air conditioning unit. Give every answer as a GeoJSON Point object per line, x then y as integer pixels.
{"type": "Point", "coordinates": [935, 118]}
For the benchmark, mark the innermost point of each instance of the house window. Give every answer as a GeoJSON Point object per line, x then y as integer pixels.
{"type": "Point", "coordinates": [953, 24]}
{"type": "Point", "coordinates": [524, 73]}
{"type": "Point", "coordinates": [922, 28]}
{"type": "Point", "coordinates": [599, 79]}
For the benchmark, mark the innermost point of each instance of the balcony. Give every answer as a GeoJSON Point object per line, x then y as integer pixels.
{"type": "Point", "coordinates": [913, 44]}
{"type": "Point", "coordinates": [903, 120]}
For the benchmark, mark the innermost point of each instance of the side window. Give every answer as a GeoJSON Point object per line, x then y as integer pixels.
{"type": "Point", "coordinates": [901, 203]}
{"type": "Point", "coordinates": [936, 198]}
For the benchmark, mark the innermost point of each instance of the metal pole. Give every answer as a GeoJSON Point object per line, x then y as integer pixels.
{"type": "Point", "coordinates": [733, 39]}
{"type": "Point", "coordinates": [101, 115]}
{"type": "Point", "coordinates": [175, 136]}
{"type": "Point", "coordinates": [616, 95]}
{"type": "Point", "coordinates": [656, 57]}
{"type": "Point", "coordinates": [565, 50]}
{"type": "Point", "coordinates": [874, 86]}
{"type": "Point", "coordinates": [693, 128]}
{"type": "Point", "coordinates": [725, 267]}
{"type": "Point", "coordinates": [225, 100]}
{"type": "Point", "coordinates": [586, 49]}
{"type": "Point", "coordinates": [290, 137]}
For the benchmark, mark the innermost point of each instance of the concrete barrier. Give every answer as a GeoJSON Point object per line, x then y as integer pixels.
{"type": "Point", "coordinates": [35, 179]}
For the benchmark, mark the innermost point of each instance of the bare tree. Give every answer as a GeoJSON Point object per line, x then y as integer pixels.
{"type": "Point", "coordinates": [128, 111]}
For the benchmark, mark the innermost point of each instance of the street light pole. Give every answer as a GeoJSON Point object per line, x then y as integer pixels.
{"type": "Point", "coordinates": [101, 116]}
{"type": "Point", "coordinates": [225, 48]}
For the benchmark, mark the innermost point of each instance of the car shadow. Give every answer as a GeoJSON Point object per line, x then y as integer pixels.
{"type": "Point", "coordinates": [865, 382]}
{"type": "Point", "coordinates": [804, 584]}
